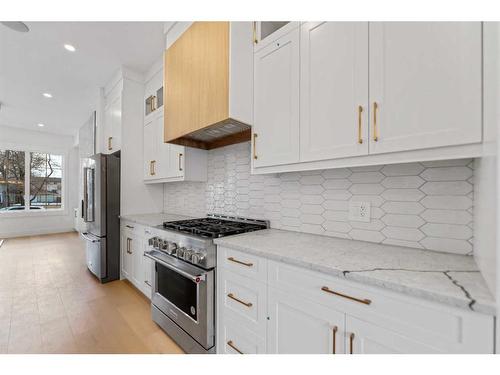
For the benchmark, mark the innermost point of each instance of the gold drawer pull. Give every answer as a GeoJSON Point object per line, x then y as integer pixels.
{"type": "Point", "coordinates": [255, 41]}
{"type": "Point", "coordinates": [153, 167]}
{"type": "Point", "coordinates": [351, 343]}
{"type": "Point", "coordinates": [247, 304]}
{"type": "Point", "coordinates": [360, 112]}
{"type": "Point", "coordinates": [375, 126]}
{"type": "Point", "coordinates": [335, 329]}
{"type": "Point", "coordinates": [328, 290]}
{"type": "Point", "coordinates": [240, 262]}
{"type": "Point", "coordinates": [254, 146]}
{"type": "Point", "coordinates": [109, 143]}
{"type": "Point", "coordinates": [230, 343]}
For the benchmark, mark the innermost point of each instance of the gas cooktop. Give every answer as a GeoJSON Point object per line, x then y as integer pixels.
{"type": "Point", "coordinates": [216, 226]}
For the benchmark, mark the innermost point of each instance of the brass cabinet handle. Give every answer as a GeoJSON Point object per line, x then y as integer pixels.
{"type": "Point", "coordinates": [351, 343]}
{"type": "Point", "coordinates": [375, 126]}
{"type": "Point", "coordinates": [328, 290]}
{"type": "Point", "coordinates": [230, 343]}
{"type": "Point", "coordinates": [247, 304]}
{"type": "Point", "coordinates": [254, 141]}
{"type": "Point", "coordinates": [360, 111]}
{"type": "Point", "coordinates": [334, 329]}
{"type": "Point", "coordinates": [109, 143]}
{"type": "Point", "coordinates": [255, 41]}
{"type": "Point", "coordinates": [129, 240]}
{"type": "Point", "coordinates": [153, 103]}
{"type": "Point", "coordinates": [150, 167]}
{"type": "Point", "coordinates": [180, 164]}
{"type": "Point", "coordinates": [240, 262]}
{"type": "Point", "coordinates": [129, 226]}
{"type": "Point", "coordinates": [153, 167]}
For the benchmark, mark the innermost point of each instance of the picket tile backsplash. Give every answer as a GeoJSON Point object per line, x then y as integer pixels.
{"type": "Point", "coordinates": [425, 205]}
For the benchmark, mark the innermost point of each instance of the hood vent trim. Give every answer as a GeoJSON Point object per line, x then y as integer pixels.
{"type": "Point", "coordinates": [220, 134]}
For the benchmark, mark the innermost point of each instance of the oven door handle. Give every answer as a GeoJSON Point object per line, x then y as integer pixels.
{"type": "Point", "coordinates": [193, 277]}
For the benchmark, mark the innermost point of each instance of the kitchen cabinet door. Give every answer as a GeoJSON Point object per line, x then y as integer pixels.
{"type": "Point", "coordinates": [367, 338]}
{"type": "Point", "coordinates": [126, 256]}
{"type": "Point", "coordinates": [136, 247]}
{"type": "Point", "coordinates": [177, 158]}
{"type": "Point", "coordinates": [112, 124]}
{"type": "Point", "coordinates": [425, 85]}
{"type": "Point", "coordinates": [147, 279]}
{"type": "Point", "coordinates": [297, 326]}
{"type": "Point", "coordinates": [333, 90]}
{"type": "Point", "coordinates": [150, 150]}
{"type": "Point", "coordinates": [276, 102]}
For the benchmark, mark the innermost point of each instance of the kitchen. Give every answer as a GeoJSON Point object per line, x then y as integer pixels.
{"type": "Point", "coordinates": [270, 187]}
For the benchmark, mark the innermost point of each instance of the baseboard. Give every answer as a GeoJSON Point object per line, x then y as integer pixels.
{"type": "Point", "coordinates": [36, 232]}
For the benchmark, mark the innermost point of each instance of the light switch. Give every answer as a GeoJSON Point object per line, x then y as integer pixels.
{"type": "Point", "coordinates": [359, 211]}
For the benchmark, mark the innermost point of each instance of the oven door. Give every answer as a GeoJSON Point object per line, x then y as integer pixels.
{"type": "Point", "coordinates": [185, 293]}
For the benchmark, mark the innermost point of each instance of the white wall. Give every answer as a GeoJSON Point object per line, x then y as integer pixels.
{"type": "Point", "coordinates": [41, 223]}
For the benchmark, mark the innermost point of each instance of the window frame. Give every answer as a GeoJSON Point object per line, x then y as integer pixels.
{"type": "Point", "coordinates": [27, 183]}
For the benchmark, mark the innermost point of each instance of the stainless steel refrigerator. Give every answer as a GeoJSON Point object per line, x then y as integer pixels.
{"type": "Point", "coordinates": [100, 212]}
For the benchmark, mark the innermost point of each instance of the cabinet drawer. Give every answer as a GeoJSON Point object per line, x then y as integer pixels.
{"type": "Point", "coordinates": [242, 263]}
{"type": "Point", "coordinates": [243, 300]}
{"type": "Point", "coordinates": [131, 228]}
{"type": "Point", "coordinates": [235, 339]}
{"type": "Point", "coordinates": [451, 330]}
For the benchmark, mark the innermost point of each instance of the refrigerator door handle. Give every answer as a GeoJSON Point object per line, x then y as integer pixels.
{"type": "Point", "coordinates": [87, 238]}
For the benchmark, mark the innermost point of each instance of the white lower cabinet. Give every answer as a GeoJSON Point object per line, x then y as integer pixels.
{"type": "Point", "coordinates": [288, 309]}
{"type": "Point", "coordinates": [135, 267]}
{"type": "Point", "coordinates": [297, 326]}
{"type": "Point", "coordinates": [367, 338]}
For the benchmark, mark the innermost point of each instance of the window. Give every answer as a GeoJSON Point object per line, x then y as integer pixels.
{"type": "Point", "coordinates": [36, 175]}
{"type": "Point", "coordinates": [45, 180]}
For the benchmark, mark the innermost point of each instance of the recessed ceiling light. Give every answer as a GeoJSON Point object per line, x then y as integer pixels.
{"type": "Point", "coordinates": [47, 95]}
{"type": "Point", "coordinates": [70, 48]}
{"type": "Point", "coordinates": [41, 125]}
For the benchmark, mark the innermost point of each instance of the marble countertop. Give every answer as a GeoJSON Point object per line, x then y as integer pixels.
{"type": "Point", "coordinates": [152, 220]}
{"type": "Point", "coordinates": [446, 278]}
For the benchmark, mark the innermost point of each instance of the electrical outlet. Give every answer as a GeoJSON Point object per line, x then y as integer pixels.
{"type": "Point", "coordinates": [359, 211]}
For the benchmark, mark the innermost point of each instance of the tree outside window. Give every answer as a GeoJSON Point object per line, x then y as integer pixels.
{"type": "Point", "coordinates": [44, 172]}
{"type": "Point", "coordinates": [45, 180]}
{"type": "Point", "coordinates": [12, 176]}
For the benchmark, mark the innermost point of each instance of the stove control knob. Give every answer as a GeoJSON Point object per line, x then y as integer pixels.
{"type": "Point", "coordinates": [188, 255]}
{"type": "Point", "coordinates": [197, 258]}
{"type": "Point", "coordinates": [180, 252]}
{"type": "Point", "coordinates": [171, 247]}
{"type": "Point", "coordinates": [151, 241]}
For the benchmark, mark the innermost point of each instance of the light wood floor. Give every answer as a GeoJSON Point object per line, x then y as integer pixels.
{"type": "Point", "coordinates": [50, 303]}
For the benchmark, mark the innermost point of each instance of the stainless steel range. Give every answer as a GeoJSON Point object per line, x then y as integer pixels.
{"type": "Point", "coordinates": [183, 290]}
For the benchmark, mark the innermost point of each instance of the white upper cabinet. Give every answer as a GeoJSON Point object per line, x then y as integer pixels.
{"type": "Point", "coordinates": [165, 162]}
{"type": "Point", "coordinates": [276, 102]}
{"type": "Point", "coordinates": [425, 78]}
{"type": "Point", "coordinates": [368, 93]}
{"type": "Point", "coordinates": [150, 150]}
{"type": "Point", "coordinates": [333, 90]}
{"type": "Point", "coordinates": [113, 121]}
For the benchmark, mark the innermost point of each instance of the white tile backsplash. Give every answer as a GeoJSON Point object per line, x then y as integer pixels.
{"type": "Point", "coordinates": [424, 205]}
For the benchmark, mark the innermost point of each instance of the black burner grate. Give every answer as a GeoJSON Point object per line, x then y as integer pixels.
{"type": "Point", "coordinates": [213, 227]}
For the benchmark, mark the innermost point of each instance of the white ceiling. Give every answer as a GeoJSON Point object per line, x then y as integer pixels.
{"type": "Point", "coordinates": [36, 62]}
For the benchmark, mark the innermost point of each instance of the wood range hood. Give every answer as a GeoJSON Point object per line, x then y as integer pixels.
{"type": "Point", "coordinates": [208, 80]}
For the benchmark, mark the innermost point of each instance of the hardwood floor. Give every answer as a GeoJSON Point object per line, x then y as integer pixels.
{"type": "Point", "coordinates": [50, 303]}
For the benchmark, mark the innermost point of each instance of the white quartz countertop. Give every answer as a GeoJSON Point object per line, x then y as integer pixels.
{"type": "Point", "coordinates": [152, 220]}
{"type": "Point", "coordinates": [446, 278]}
